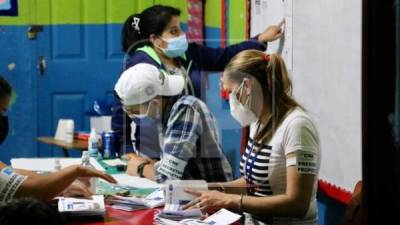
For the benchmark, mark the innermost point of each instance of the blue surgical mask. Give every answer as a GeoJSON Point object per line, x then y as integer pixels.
{"type": "Point", "coordinates": [176, 46]}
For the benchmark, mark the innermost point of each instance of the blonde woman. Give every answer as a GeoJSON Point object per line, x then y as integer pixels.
{"type": "Point", "coordinates": [282, 159]}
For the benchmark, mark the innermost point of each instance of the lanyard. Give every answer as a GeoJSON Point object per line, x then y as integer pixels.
{"type": "Point", "coordinates": [247, 173]}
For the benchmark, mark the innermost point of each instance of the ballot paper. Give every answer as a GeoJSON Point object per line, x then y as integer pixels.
{"type": "Point", "coordinates": [114, 162]}
{"type": "Point", "coordinates": [134, 181]}
{"type": "Point", "coordinates": [175, 190]}
{"type": "Point", "coordinates": [176, 198]}
{"type": "Point", "coordinates": [222, 217]}
{"type": "Point", "coordinates": [48, 164]}
{"type": "Point", "coordinates": [175, 212]}
{"type": "Point", "coordinates": [155, 199]}
{"type": "Point", "coordinates": [82, 207]}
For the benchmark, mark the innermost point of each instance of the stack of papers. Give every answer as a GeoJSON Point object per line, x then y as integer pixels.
{"type": "Point", "coordinates": [126, 180]}
{"type": "Point", "coordinates": [155, 199]}
{"type": "Point", "coordinates": [176, 198]}
{"type": "Point", "coordinates": [175, 212]}
{"type": "Point", "coordinates": [222, 217]}
{"type": "Point", "coordinates": [82, 207]}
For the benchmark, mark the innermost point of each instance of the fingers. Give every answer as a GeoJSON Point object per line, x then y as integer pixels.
{"type": "Point", "coordinates": [279, 35]}
{"type": "Point", "coordinates": [85, 192]}
{"type": "Point", "coordinates": [280, 24]}
{"type": "Point", "coordinates": [90, 172]}
{"type": "Point", "coordinates": [193, 192]}
{"type": "Point", "coordinates": [191, 204]}
{"type": "Point", "coordinates": [78, 189]}
{"type": "Point", "coordinates": [108, 178]}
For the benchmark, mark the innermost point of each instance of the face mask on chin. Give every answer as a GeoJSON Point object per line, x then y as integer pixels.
{"type": "Point", "coordinates": [147, 115]}
{"type": "Point", "coordinates": [242, 113]}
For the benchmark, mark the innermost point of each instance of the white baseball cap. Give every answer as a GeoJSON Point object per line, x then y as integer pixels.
{"type": "Point", "coordinates": [143, 82]}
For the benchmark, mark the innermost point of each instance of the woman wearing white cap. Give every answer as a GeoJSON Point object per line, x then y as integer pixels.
{"type": "Point", "coordinates": [188, 135]}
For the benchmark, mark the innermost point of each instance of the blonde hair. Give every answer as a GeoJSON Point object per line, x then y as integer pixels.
{"type": "Point", "coordinates": [270, 71]}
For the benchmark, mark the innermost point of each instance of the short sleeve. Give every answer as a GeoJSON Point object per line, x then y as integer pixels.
{"type": "Point", "coordinates": [10, 181]}
{"type": "Point", "coordinates": [301, 145]}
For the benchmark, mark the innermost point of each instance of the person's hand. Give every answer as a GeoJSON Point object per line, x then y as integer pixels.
{"type": "Point", "coordinates": [128, 156]}
{"type": "Point", "coordinates": [134, 163]}
{"type": "Point", "coordinates": [272, 33]}
{"type": "Point", "coordinates": [77, 189]}
{"type": "Point", "coordinates": [85, 172]}
{"type": "Point", "coordinates": [209, 201]}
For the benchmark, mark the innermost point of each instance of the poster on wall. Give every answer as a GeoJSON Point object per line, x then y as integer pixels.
{"type": "Point", "coordinates": [8, 8]}
{"type": "Point", "coordinates": [268, 12]}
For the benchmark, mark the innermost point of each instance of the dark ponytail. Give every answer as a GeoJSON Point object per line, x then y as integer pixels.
{"type": "Point", "coordinates": [137, 28]}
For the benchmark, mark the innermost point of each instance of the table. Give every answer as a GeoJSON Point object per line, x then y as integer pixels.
{"type": "Point", "coordinates": [119, 217]}
{"type": "Point", "coordinates": [77, 144]}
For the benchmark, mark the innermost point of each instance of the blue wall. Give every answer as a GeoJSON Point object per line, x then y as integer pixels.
{"type": "Point", "coordinates": [17, 59]}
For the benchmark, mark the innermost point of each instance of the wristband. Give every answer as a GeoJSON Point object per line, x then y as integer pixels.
{"type": "Point", "coordinates": [140, 168]}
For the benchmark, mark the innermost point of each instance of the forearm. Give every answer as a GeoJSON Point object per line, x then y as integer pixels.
{"type": "Point", "coordinates": [48, 186]}
{"type": "Point", "coordinates": [148, 172]}
{"type": "Point", "coordinates": [27, 173]}
{"type": "Point", "coordinates": [277, 206]}
{"type": "Point", "coordinates": [237, 186]}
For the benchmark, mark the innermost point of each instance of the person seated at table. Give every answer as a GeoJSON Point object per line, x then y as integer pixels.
{"type": "Point", "coordinates": [24, 183]}
{"type": "Point", "coordinates": [187, 129]}
{"type": "Point", "coordinates": [30, 211]}
{"type": "Point", "coordinates": [283, 154]}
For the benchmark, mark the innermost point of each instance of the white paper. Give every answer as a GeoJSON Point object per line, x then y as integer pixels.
{"type": "Point", "coordinates": [82, 207]}
{"type": "Point", "coordinates": [114, 162]}
{"type": "Point", "coordinates": [153, 200]}
{"type": "Point", "coordinates": [175, 190]}
{"type": "Point", "coordinates": [48, 164]}
{"type": "Point", "coordinates": [136, 182]}
{"type": "Point", "coordinates": [265, 13]}
{"type": "Point", "coordinates": [175, 212]}
{"type": "Point", "coordinates": [222, 217]}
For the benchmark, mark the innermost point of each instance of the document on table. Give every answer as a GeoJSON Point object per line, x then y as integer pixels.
{"type": "Point", "coordinates": [222, 217]}
{"type": "Point", "coordinates": [134, 181]}
{"type": "Point", "coordinates": [176, 198]}
{"type": "Point", "coordinates": [155, 199]}
{"type": "Point", "coordinates": [114, 162]}
{"type": "Point", "coordinates": [48, 164]}
{"type": "Point", "coordinates": [82, 207]}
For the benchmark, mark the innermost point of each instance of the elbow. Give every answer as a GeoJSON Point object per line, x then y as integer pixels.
{"type": "Point", "coordinates": [300, 208]}
{"type": "Point", "coordinates": [301, 211]}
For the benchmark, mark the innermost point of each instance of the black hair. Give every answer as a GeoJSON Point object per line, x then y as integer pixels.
{"type": "Point", "coordinates": [152, 20]}
{"type": "Point", "coordinates": [29, 211]}
{"type": "Point", "coordinates": [5, 88]}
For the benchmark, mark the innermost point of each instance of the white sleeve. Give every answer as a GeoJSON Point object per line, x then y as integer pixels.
{"type": "Point", "coordinates": [301, 143]}
{"type": "Point", "coordinates": [10, 181]}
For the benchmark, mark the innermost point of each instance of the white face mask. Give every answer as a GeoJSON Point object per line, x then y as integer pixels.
{"type": "Point", "coordinates": [240, 112]}
{"type": "Point", "coordinates": [146, 114]}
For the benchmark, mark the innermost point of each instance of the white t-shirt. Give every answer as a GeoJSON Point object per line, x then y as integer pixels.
{"type": "Point", "coordinates": [297, 136]}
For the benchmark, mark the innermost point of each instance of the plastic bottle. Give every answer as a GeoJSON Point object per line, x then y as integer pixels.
{"type": "Point", "coordinates": [57, 165]}
{"type": "Point", "coordinates": [69, 133]}
{"type": "Point", "coordinates": [86, 162]}
{"type": "Point", "coordinates": [93, 143]}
